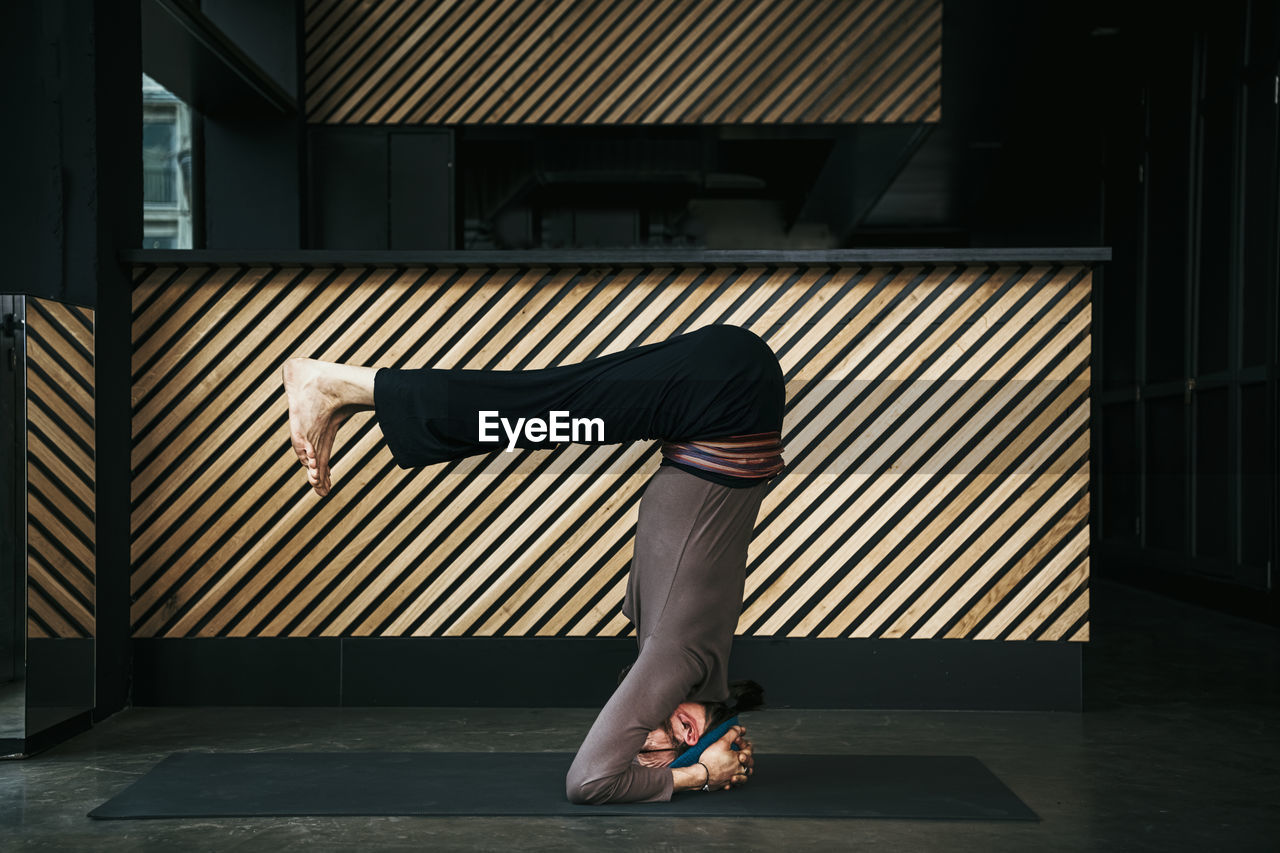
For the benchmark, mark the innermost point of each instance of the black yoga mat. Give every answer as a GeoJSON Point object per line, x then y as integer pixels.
{"type": "Point", "coordinates": [229, 784]}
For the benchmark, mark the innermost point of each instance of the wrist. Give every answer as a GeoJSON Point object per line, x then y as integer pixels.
{"type": "Point", "coordinates": [689, 778]}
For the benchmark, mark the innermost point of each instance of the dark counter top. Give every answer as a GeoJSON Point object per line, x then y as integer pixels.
{"type": "Point", "coordinates": [613, 257]}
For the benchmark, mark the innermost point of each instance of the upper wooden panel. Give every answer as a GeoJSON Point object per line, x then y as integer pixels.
{"type": "Point", "coordinates": [512, 62]}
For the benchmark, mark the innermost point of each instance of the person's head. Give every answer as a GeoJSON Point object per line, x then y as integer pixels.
{"type": "Point", "coordinates": [676, 734]}
{"type": "Point", "coordinates": [691, 720]}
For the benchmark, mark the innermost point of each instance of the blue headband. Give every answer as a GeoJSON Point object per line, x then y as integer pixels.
{"type": "Point", "coordinates": [690, 756]}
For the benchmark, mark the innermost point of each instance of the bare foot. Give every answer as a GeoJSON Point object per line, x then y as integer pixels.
{"type": "Point", "coordinates": [321, 398]}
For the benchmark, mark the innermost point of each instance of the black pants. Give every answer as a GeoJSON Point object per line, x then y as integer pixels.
{"type": "Point", "coordinates": [716, 382]}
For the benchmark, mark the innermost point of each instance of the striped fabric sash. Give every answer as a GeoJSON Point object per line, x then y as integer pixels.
{"type": "Point", "coordinates": [749, 456]}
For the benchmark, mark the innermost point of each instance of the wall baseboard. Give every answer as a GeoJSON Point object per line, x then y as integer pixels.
{"type": "Point", "coordinates": [582, 672]}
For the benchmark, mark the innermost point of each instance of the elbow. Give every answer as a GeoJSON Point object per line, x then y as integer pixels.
{"type": "Point", "coordinates": [578, 796]}
{"type": "Point", "coordinates": [583, 792]}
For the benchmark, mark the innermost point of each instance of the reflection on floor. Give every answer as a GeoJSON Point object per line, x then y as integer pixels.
{"type": "Point", "coordinates": [13, 709]}
{"type": "Point", "coordinates": [1178, 749]}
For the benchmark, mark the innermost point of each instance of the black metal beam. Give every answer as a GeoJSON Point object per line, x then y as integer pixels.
{"type": "Point", "coordinates": [186, 53]}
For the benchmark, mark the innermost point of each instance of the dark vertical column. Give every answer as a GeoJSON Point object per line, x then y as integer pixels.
{"type": "Point", "coordinates": [113, 75]}
{"type": "Point", "coordinates": [34, 51]}
{"type": "Point", "coordinates": [1215, 277]}
{"type": "Point", "coordinates": [1122, 114]}
{"type": "Point", "coordinates": [1166, 315]}
{"type": "Point", "coordinates": [73, 201]}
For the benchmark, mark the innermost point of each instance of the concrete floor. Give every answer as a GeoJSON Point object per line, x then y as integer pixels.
{"type": "Point", "coordinates": [1179, 749]}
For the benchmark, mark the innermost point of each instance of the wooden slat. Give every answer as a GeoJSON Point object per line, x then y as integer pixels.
{"type": "Point", "coordinates": [48, 564]}
{"type": "Point", "coordinates": [1063, 591]}
{"type": "Point", "coordinates": [1077, 611]}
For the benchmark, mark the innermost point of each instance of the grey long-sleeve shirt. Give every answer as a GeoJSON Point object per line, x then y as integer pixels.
{"type": "Point", "coordinates": [684, 596]}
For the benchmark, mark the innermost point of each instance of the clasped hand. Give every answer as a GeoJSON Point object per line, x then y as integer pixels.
{"type": "Point", "coordinates": [725, 766]}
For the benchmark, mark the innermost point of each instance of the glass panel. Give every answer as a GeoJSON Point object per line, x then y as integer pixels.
{"type": "Point", "coordinates": [1257, 440]}
{"type": "Point", "coordinates": [1117, 293]}
{"type": "Point", "coordinates": [1166, 482]}
{"type": "Point", "coordinates": [1264, 30]}
{"type": "Point", "coordinates": [1168, 205]}
{"type": "Point", "coordinates": [166, 167]}
{"type": "Point", "coordinates": [159, 166]}
{"type": "Point", "coordinates": [1258, 265]}
{"type": "Point", "coordinates": [13, 622]}
{"type": "Point", "coordinates": [1213, 495]}
{"type": "Point", "coordinates": [55, 584]}
{"type": "Point", "coordinates": [1118, 479]}
{"type": "Point", "coordinates": [1217, 198]}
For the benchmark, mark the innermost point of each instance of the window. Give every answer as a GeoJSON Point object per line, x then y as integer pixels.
{"type": "Point", "coordinates": [159, 160]}
{"type": "Point", "coordinates": [166, 169]}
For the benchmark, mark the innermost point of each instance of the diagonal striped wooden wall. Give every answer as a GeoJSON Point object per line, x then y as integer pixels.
{"type": "Point", "coordinates": [60, 470]}
{"type": "Point", "coordinates": [476, 62]}
{"type": "Point", "coordinates": [937, 432]}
